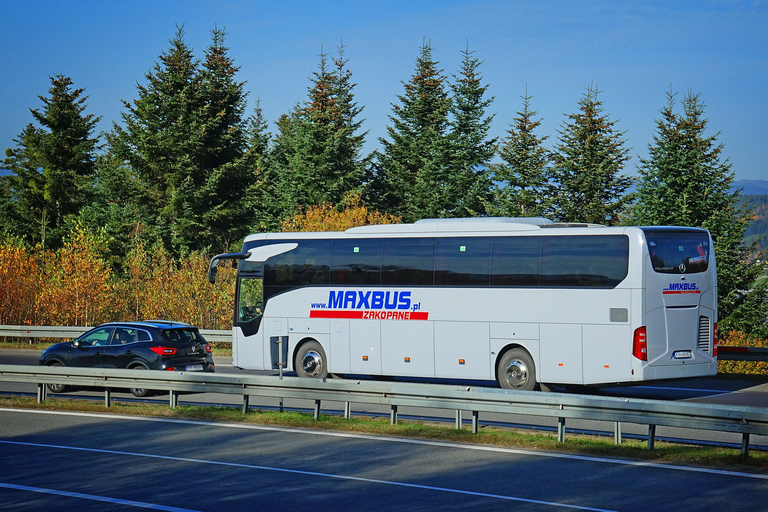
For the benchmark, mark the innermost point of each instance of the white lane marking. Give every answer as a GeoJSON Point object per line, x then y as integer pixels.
{"type": "Point", "coordinates": [310, 473]}
{"type": "Point", "coordinates": [443, 444]}
{"type": "Point", "coordinates": [92, 497]}
{"type": "Point", "coordinates": [698, 390]}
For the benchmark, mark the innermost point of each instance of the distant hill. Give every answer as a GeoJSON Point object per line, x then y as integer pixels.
{"type": "Point", "coordinates": [752, 187]}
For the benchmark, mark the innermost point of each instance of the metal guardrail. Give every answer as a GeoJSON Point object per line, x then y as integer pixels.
{"type": "Point", "coordinates": [221, 336]}
{"type": "Point", "coordinates": [47, 331]}
{"type": "Point", "coordinates": [742, 420]}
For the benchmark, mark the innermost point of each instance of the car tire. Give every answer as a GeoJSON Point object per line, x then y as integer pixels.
{"type": "Point", "coordinates": [140, 392]}
{"type": "Point", "coordinates": [57, 388]}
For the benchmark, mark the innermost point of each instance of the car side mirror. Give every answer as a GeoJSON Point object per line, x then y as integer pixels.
{"type": "Point", "coordinates": [76, 343]}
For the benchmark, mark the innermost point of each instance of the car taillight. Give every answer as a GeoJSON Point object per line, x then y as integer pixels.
{"type": "Point", "coordinates": [714, 341]}
{"type": "Point", "coordinates": [640, 344]}
{"type": "Point", "coordinates": [208, 348]}
{"type": "Point", "coordinates": [163, 351]}
{"type": "Point", "coordinates": [170, 369]}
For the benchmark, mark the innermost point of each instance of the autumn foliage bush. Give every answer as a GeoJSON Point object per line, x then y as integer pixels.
{"type": "Point", "coordinates": [76, 285]}
{"type": "Point", "coordinates": [739, 339]}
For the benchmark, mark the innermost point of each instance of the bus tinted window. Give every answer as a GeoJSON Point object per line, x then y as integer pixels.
{"type": "Point", "coordinates": [462, 261]}
{"type": "Point", "coordinates": [584, 261]}
{"type": "Point", "coordinates": [678, 252]}
{"type": "Point", "coordinates": [515, 261]}
{"type": "Point", "coordinates": [408, 261]}
{"type": "Point", "coordinates": [356, 261]}
{"type": "Point", "coordinates": [306, 265]}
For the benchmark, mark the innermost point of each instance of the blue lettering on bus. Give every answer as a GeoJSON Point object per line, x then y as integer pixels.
{"type": "Point", "coordinates": [338, 299]}
{"type": "Point", "coordinates": [678, 287]}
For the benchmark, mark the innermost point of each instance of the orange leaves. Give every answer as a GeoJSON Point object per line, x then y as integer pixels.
{"type": "Point", "coordinates": [19, 280]}
{"type": "Point", "coordinates": [75, 286]}
{"type": "Point", "coordinates": [78, 285]}
{"type": "Point", "coordinates": [327, 218]}
{"type": "Point", "coordinates": [739, 339]}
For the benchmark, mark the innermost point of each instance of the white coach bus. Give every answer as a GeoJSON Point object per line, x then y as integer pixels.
{"type": "Point", "coordinates": [526, 302]}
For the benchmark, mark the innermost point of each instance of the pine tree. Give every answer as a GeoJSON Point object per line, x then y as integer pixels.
{"type": "Point", "coordinates": [410, 175]}
{"type": "Point", "coordinates": [54, 164]}
{"type": "Point", "coordinates": [685, 182]}
{"type": "Point", "coordinates": [184, 139]}
{"type": "Point", "coordinates": [588, 160]}
{"type": "Point", "coordinates": [521, 181]}
{"type": "Point", "coordinates": [317, 156]}
{"type": "Point", "coordinates": [470, 148]}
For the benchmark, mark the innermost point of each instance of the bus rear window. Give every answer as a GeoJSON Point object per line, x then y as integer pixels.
{"type": "Point", "coordinates": [678, 251]}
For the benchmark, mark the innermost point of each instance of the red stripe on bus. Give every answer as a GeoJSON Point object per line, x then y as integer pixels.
{"type": "Point", "coordinates": [326, 313]}
{"type": "Point", "coordinates": [369, 315]}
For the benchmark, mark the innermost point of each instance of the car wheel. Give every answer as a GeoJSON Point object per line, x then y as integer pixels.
{"type": "Point", "coordinates": [140, 392]}
{"type": "Point", "coordinates": [516, 370]}
{"type": "Point", "coordinates": [57, 388]}
{"type": "Point", "coordinates": [310, 361]}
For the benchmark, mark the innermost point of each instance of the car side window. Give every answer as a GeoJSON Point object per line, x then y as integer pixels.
{"type": "Point", "coordinates": [97, 338]}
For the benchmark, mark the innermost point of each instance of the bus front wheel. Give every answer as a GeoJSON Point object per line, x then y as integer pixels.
{"type": "Point", "coordinates": [310, 361]}
{"type": "Point", "coordinates": [516, 370]}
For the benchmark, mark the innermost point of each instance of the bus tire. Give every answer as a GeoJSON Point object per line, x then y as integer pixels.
{"type": "Point", "coordinates": [310, 361]}
{"type": "Point", "coordinates": [516, 370]}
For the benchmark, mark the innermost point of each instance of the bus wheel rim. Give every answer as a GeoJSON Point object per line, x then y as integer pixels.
{"type": "Point", "coordinates": [312, 363]}
{"type": "Point", "coordinates": [517, 373]}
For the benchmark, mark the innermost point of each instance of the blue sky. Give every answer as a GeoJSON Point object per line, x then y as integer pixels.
{"type": "Point", "coordinates": [634, 52]}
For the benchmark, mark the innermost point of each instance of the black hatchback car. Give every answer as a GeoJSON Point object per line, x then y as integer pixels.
{"type": "Point", "coordinates": [151, 345]}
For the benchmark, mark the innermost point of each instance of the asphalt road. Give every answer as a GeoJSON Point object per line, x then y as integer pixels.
{"type": "Point", "coordinates": [707, 390]}
{"type": "Point", "coordinates": [66, 461]}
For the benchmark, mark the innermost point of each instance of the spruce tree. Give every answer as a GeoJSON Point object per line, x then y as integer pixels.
{"type": "Point", "coordinates": [470, 148]}
{"type": "Point", "coordinates": [588, 161]}
{"type": "Point", "coordinates": [410, 175]}
{"type": "Point", "coordinates": [184, 139]}
{"type": "Point", "coordinates": [317, 155]}
{"type": "Point", "coordinates": [685, 182]}
{"type": "Point", "coordinates": [54, 164]}
{"type": "Point", "coordinates": [521, 181]}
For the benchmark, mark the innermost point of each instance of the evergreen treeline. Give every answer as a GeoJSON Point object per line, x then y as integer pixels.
{"type": "Point", "coordinates": [189, 170]}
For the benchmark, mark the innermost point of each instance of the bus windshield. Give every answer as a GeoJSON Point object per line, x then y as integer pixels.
{"type": "Point", "coordinates": [678, 251]}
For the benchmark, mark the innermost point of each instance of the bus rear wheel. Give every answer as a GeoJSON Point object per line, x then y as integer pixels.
{"type": "Point", "coordinates": [310, 361]}
{"type": "Point", "coordinates": [516, 370]}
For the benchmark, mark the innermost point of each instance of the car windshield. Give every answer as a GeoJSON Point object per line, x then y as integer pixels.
{"type": "Point", "coordinates": [182, 335]}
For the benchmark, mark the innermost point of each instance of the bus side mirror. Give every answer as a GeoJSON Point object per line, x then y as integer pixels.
{"type": "Point", "coordinates": [213, 268]}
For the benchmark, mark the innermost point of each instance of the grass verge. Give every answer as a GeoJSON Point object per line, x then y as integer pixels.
{"type": "Point", "coordinates": [705, 456]}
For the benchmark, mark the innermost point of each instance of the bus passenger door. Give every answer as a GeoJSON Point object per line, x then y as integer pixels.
{"type": "Point", "coordinates": [560, 354]}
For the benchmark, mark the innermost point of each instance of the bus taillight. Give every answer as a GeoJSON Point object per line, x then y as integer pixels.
{"type": "Point", "coordinates": [714, 341]}
{"type": "Point", "coordinates": [640, 344]}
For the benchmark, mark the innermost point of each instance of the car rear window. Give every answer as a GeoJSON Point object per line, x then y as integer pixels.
{"type": "Point", "coordinates": [181, 335]}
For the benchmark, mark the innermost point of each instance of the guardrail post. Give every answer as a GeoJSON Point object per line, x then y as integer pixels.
{"type": "Point", "coordinates": [41, 393]}
{"type": "Point", "coordinates": [107, 397]}
{"type": "Point", "coordinates": [174, 399]}
{"type": "Point", "coordinates": [745, 444]}
{"type": "Point", "coordinates": [475, 422]}
{"type": "Point", "coordinates": [347, 411]}
{"type": "Point", "coordinates": [651, 436]}
{"type": "Point", "coordinates": [246, 400]}
{"type": "Point", "coordinates": [458, 419]}
{"type": "Point", "coordinates": [617, 433]}
{"type": "Point", "coordinates": [560, 430]}
{"type": "Point", "coordinates": [317, 409]}
{"type": "Point", "coordinates": [393, 415]}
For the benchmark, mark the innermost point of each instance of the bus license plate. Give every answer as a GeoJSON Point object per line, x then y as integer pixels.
{"type": "Point", "coordinates": [683, 354]}
{"type": "Point", "coordinates": [194, 368]}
